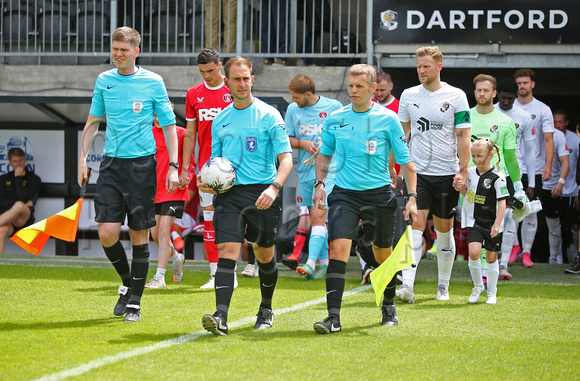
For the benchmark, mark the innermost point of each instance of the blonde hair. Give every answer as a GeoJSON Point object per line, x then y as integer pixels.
{"type": "Point", "coordinates": [360, 69]}
{"type": "Point", "coordinates": [432, 51]}
{"type": "Point", "coordinates": [488, 144]}
{"type": "Point", "coordinates": [485, 77]}
{"type": "Point", "coordinates": [127, 34]}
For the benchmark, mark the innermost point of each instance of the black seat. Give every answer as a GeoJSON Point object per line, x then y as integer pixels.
{"type": "Point", "coordinates": [92, 22]}
{"type": "Point", "coordinates": [18, 21]}
{"type": "Point", "coordinates": [55, 20]}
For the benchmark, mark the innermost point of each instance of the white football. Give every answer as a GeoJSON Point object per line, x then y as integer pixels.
{"type": "Point", "coordinates": [219, 174]}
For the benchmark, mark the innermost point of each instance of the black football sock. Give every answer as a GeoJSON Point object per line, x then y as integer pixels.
{"type": "Point", "coordinates": [224, 285]}
{"type": "Point", "coordinates": [139, 268]}
{"type": "Point", "coordinates": [251, 255]}
{"type": "Point", "coordinates": [118, 258]}
{"type": "Point", "coordinates": [389, 294]}
{"type": "Point", "coordinates": [335, 280]}
{"type": "Point", "coordinates": [268, 278]}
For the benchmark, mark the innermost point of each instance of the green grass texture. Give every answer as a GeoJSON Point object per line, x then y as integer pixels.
{"type": "Point", "coordinates": [57, 323]}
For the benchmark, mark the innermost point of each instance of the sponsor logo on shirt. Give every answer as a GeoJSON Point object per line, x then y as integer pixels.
{"type": "Point", "coordinates": [200, 100]}
{"type": "Point", "coordinates": [426, 125]}
{"type": "Point", "coordinates": [137, 107]}
{"type": "Point", "coordinates": [208, 114]}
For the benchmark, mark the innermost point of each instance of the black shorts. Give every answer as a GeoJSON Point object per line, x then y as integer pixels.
{"type": "Point", "coordinates": [375, 207]}
{"type": "Point", "coordinates": [126, 187]}
{"type": "Point", "coordinates": [482, 235]}
{"type": "Point", "coordinates": [436, 193]}
{"type": "Point", "coordinates": [236, 216]}
{"type": "Point", "coordinates": [551, 206]}
{"type": "Point", "coordinates": [537, 189]}
{"type": "Point", "coordinates": [570, 216]}
{"type": "Point", "coordinates": [170, 208]}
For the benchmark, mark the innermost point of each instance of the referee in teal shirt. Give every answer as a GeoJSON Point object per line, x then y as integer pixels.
{"type": "Point", "coordinates": [361, 137]}
{"type": "Point", "coordinates": [251, 134]}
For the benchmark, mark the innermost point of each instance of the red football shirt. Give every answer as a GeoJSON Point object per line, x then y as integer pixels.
{"type": "Point", "coordinates": [203, 103]}
{"type": "Point", "coordinates": [162, 157]}
{"type": "Point", "coordinates": [393, 106]}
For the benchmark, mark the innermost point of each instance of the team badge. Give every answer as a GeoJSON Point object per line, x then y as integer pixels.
{"type": "Point", "coordinates": [487, 183]}
{"type": "Point", "coordinates": [299, 199]}
{"type": "Point", "coordinates": [445, 106]}
{"type": "Point", "coordinates": [371, 147]}
{"type": "Point", "coordinates": [323, 115]}
{"type": "Point", "coordinates": [137, 107]}
{"type": "Point", "coordinates": [517, 125]}
{"type": "Point", "coordinates": [227, 98]}
{"type": "Point", "coordinates": [251, 144]}
{"type": "Point", "coordinates": [493, 129]}
{"type": "Point", "coordinates": [533, 116]}
{"type": "Point", "coordinates": [389, 20]}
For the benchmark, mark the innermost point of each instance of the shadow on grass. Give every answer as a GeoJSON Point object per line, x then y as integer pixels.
{"type": "Point", "coordinates": [57, 325]}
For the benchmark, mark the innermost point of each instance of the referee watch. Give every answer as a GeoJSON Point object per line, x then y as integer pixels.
{"type": "Point", "coordinates": [318, 182]}
{"type": "Point", "coordinates": [174, 164]}
{"type": "Point", "coordinates": [277, 185]}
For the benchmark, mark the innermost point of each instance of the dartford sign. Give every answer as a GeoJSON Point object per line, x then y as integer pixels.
{"type": "Point", "coordinates": [530, 22]}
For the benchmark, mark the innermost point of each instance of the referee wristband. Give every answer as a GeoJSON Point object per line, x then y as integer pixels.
{"type": "Point", "coordinates": [412, 195]}
{"type": "Point", "coordinates": [562, 180]}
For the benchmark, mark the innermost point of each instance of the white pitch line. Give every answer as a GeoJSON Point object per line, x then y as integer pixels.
{"type": "Point", "coordinates": [91, 365]}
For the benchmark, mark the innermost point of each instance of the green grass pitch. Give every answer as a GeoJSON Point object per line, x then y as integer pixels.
{"type": "Point", "coordinates": [56, 322]}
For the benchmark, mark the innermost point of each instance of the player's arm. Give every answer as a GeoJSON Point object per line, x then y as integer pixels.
{"type": "Point", "coordinates": [411, 181]}
{"type": "Point", "coordinates": [463, 150]}
{"type": "Point", "coordinates": [501, 205]}
{"type": "Point", "coordinates": [407, 129]}
{"type": "Point", "coordinates": [188, 147]}
{"type": "Point", "coordinates": [308, 145]}
{"type": "Point", "coordinates": [171, 182]}
{"type": "Point", "coordinates": [549, 148]}
{"type": "Point", "coordinates": [530, 158]}
{"type": "Point", "coordinates": [269, 194]}
{"type": "Point", "coordinates": [557, 190]}
{"type": "Point", "coordinates": [322, 166]}
{"type": "Point", "coordinates": [89, 133]}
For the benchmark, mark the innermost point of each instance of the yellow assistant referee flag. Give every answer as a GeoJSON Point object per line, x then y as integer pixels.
{"type": "Point", "coordinates": [400, 258]}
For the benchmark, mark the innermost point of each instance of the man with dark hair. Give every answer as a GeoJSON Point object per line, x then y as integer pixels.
{"type": "Point", "coordinates": [544, 131]}
{"type": "Point", "coordinates": [527, 151]}
{"type": "Point", "coordinates": [383, 94]}
{"type": "Point", "coordinates": [361, 136]}
{"type": "Point", "coordinates": [130, 96]}
{"type": "Point", "coordinates": [304, 118]}
{"type": "Point", "coordinates": [19, 190]}
{"type": "Point", "coordinates": [203, 103]}
{"type": "Point", "coordinates": [251, 134]}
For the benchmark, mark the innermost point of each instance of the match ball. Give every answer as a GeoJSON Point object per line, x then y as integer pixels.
{"type": "Point", "coordinates": [219, 174]}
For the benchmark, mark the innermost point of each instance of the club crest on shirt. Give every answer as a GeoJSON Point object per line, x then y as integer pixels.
{"type": "Point", "coordinates": [487, 183]}
{"type": "Point", "coordinates": [299, 199]}
{"type": "Point", "coordinates": [445, 106]}
{"type": "Point", "coordinates": [323, 115]}
{"type": "Point", "coordinates": [493, 129]}
{"type": "Point", "coordinates": [227, 98]}
{"type": "Point", "coordinates": [251, 144]}
{"type": "Point", "coordinates": [533, 116]}
{"type": "Point", "coordinates": [517, 125]}
{"type": "Point", "coordinates": [371, 147]}
{"type": "Point", "coordinates": [137, 107]}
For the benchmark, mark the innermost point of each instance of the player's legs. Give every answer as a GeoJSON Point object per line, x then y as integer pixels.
{"type": "Point", "coordinates": [509, 235]}
{"type": "Point", "coordinates": [210, 246]}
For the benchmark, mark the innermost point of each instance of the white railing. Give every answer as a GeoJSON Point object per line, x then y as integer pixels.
{"type": "Point", "coordinates": [173, 31]}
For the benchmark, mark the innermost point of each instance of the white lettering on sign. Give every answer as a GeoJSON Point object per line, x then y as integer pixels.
{"type": "Point", "coordinates": [512, 19]}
